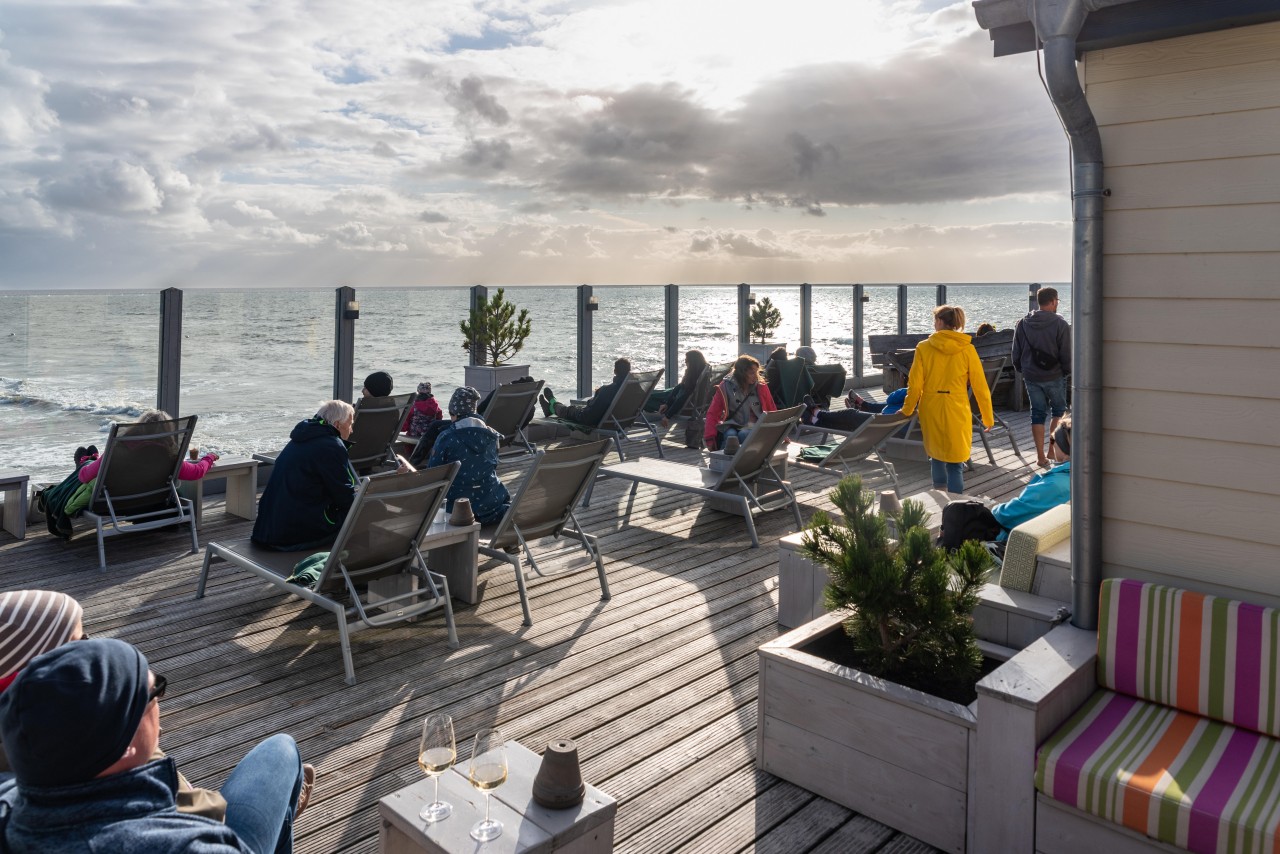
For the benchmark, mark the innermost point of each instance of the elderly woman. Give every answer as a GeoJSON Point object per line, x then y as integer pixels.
{"type": "Point", "coordinates": [312, 483]}
{"type": "Point", "coordinates": [474, 444]}
{"type": "Point", "coordinates": [738, 402]}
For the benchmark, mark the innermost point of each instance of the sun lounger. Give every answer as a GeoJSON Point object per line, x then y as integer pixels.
{"type": "Point", "coordinates": [739, 482]}
{"type": "Point", "coordinates": [374, 432]}
{"type": "Point", "coordinates": [543, 507]}
{"type": "Point", "coordinates": [861, 444]}
{"type": "Point", "coordinates": [137, 484]}
{"type": "Point", "coordinates": [379, 539]}
{"type": "Point", "coordinates": [509, 410]}
{"type": "Point", "coordinates": [624, 416]}
{"type": "Point", "coordinates": [992, 367]}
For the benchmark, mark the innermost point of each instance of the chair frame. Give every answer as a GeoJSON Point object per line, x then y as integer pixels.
{"type": "Point", "coordinates": [622, 424]}
{"type": "Point", "coordinates": [860, 444]}
{"type": "Point", "coordinates": [516, 434]}
{"type": "Point", "coordinates": [507, 532]}
{"type": "Point", "coordinates": [992, 368]}
{"type": "Point", "coordinates": [739, 477]}
{"type": "Point", "coordinates": [386, 451]}
{"type": "Point", "coordinates": [102, 510]}
{"type": "Point", "coordinates": [275, 567]}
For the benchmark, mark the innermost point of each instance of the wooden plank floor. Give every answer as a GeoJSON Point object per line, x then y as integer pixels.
{"type": "Point", "coordinates": [657, 685]}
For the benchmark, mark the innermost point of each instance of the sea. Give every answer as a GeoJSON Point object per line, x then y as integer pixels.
{"type": "Point", "coordinates": [257, 361]}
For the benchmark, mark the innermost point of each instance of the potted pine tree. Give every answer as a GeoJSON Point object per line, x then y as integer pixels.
{"type": "Point", "coordinates": [493, 333]}
{"type": "Point", "coordinates": [872, 705]}
{"type": "Point", "coordinates": [762, 321]}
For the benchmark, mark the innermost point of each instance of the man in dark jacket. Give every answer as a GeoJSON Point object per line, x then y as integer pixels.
{"type": "Point", "coordinates": [1042, 352]}
{"type": "Point", "coordinates": [312, 484]}
{"type": "Point", "coordinates": [593, 410]}
{"type": "Point", "coordinates": [81, 723]}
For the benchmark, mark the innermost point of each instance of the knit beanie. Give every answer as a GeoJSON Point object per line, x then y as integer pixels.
{"type": "Point", "coordinates": [73, 711]}
{"type": "Point", "coordinates": [424, 388]}
{"type": "Point", "coordinates": [32, 622]}
{"type": "Point", "coordinates": [809, 355]}
{"type": "Point", "coordinates": [463, 402]}
{"type": "Point", "coordinates": [379, 383]}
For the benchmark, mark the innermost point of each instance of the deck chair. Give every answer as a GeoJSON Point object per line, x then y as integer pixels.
{"type": "Point", "coordinates": [861, 444]}
{"type": "Point", "coordinates": [992, 367]}
{"type": "Point", "coordinates": [624, 416]}
{"type": "Point", "coordinates": [796, 383]}
{"type": "Point", "coordinates": [378, 540]}
{"type": "Point", "coordinates": [509, 410]}
{"type": "Point", "coordinates": [543, 507]}
{"type": "Point", "coordinates": [751, 467]}
{"type": "Point", "coordinates": [137, 484]}
{"type": "Point", "coordinates": [376, 429]}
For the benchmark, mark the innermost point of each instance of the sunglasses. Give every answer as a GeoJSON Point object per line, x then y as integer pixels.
{"type": "Point", "coordinates": [157, 689]}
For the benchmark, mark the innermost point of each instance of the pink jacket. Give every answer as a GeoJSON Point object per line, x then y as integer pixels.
{"type": "Point", "coordinates": [716, 412]}
{"type": "Point", "coordinates": [190, 470]}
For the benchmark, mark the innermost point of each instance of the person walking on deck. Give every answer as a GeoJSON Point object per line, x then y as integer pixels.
{"type": "Point", "coordinates": [945, 367]}
{"type": "Point", "coordinates": [1042, 352]}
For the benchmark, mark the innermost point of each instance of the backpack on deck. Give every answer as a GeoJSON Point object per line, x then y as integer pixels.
{"type": "Point", "coordinates": [967, 520]}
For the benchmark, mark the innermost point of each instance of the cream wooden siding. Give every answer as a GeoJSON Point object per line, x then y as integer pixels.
{"type": "Point", "coordinates": [1191, 139]}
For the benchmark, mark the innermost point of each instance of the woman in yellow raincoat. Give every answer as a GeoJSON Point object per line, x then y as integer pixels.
{"type": "Point", "coordinates": [946, 365]}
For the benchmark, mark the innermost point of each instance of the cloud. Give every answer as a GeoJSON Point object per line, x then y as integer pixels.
{"type": "Point", "coordinates": [471, 100]}
{"type": "Point", "coordinates": [432, 216]}
{"type": "Point", "coordinates": [116, 187]}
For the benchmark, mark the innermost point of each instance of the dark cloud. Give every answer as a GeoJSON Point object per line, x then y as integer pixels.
{"type": "Point", "coordinates": [485, 155]}
{"type": "Point", "coordinates": [469, 98]}
{"type": "Point", "coordinates": [432, 216]}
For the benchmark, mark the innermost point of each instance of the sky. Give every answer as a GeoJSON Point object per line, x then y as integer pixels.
{"type": "Point", "coordinates": [309, 143]}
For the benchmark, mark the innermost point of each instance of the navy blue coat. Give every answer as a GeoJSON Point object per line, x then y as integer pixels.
{"type": "Point", "coordinates": [474, 444]}
{"type": "Point", "coordinates": [311, 489]}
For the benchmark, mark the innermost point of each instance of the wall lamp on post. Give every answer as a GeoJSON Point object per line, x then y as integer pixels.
{"type": "Point", "coordinates": [352, 310]}
{"type": "Point", "coordinates": [593, 303]}
{"type": "Point", "coordinates": [751, 298]}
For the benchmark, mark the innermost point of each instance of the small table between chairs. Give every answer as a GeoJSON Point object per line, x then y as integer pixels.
{"type": "Point", "coordinates": [241, 475]}
{"type": "Point", "coordinates": [13, 485]}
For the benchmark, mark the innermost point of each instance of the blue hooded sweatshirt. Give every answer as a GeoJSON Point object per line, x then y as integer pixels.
{"type": "Point", "coordinates": [474, 444]}
{"type": "Point", "coordinates": [312, 487]}
{"type": "Point", "coordinates": [1043, 492]}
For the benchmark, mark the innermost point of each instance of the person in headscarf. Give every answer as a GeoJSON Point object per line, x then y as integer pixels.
{"type": "Point", "coordinates": [32, 622]}
{"type": "Point", "coordinates": [424, 412]}
{"type": "Point", "coordinates": [471, 442]}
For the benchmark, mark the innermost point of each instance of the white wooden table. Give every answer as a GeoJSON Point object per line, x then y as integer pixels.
{"type": "Point", "coordinates": [527, 827]}
{"type": "Point", "coordinates": [13, 485]}
{"type": "Point", "coordinates": [241, 475]}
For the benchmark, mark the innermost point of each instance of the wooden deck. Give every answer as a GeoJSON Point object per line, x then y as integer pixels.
{"type": "Point", "coordinates": [657, 685]}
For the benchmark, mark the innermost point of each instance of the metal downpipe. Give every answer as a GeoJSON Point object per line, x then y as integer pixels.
{"type": "Point", "coordinates": [1057, 24]}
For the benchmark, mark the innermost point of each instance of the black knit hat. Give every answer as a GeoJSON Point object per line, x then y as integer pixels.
{"type": "Point", "coordinates": [72, 712]}
{"type": "Point", "coordinates": [379, 383]}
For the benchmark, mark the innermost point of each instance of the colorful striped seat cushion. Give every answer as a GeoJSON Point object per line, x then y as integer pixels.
{"type": "Point", "coordinates": [1203, 654]}
{"type": "Point", "coordinates": [1186, 780]}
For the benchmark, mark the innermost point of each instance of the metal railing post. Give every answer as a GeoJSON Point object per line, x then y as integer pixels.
{"type": "Point", "coordinates": [941, 298]}
{"type": "Point", "coordinates": [479, 293]}
{"type": "Point", "coordinates": [169, 371]}
{"type": "Point", "coordinates": [744, 294]}
{"type": "Point", "coordinates": [344, 345]}
{"type": "Point", "coordinates": [585, 308]}
{"type": "Point", "coordinates": [671, 332]}
{"type": "Point", "coordinates": [806, 315]}
{"type": "Point", "coordinates": [859, 299]}
{"type": "Point", "coordinates": [902, 309]}
{"type": "Point", "coordinates": [1032, 289]}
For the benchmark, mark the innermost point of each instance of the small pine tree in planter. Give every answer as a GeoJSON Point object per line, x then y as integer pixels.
{"type": "Point", "coordinates": [498, 332]}
{"type": "Point", "coordinates": [911, 602]}
{"type": "Point", "coordinates": [762, 321]}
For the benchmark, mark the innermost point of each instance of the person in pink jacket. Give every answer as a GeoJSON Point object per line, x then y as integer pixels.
{"type": "Point", "coordinates": [738, 402]}
{"type": "Point", "coordinates": [191, 469]}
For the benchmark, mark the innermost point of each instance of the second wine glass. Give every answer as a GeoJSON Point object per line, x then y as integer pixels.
{"type": "Point", "coordinates": [436, 753]}
{"type": "Point", "coordinates": [488, 771]}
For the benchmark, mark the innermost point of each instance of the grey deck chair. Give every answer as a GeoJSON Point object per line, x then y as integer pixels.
{"type": "Point", "coordinates": [509, 410]}
{"type": "Point", "coordinates": [739, 482]}
{"type": "Point", "coordinates": [374, 432]}
{"type": "Point", "coordinates": [620, 418]}
{"type": "Point", "coordinates": [992, 367]}
{"type": "Point", "coordinates": [378, 539]}
{"type": "Point", "coordinates": [861, 444]}
{"type": "Point", "coordinates": [543, 507]}
{"type": "Point", "coordinates": [137, 484]}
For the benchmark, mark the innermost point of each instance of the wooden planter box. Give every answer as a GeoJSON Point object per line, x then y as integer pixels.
{"type": "Point", "coordinates": [896, 755]}
{"type": "Point", "coordinates": [484, 378]}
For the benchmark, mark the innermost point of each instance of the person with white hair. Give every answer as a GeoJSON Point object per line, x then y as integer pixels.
{"type": "Point", "coordinates": [312, 483]}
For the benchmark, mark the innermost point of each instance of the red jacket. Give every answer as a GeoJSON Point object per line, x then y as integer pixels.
{"type": "Point", "coordinates": [716, 413]}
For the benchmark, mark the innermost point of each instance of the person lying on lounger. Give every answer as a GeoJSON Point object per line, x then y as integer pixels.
{"type": "Point", "coordinates": [593, 410]}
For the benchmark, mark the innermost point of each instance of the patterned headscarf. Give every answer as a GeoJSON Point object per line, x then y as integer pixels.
{"type": "Point", "coordinates": [424, 388]}
{"type": "Point", "coordinates": [33, 622]}
{"type": "Point", "coordinates": [463, 402]}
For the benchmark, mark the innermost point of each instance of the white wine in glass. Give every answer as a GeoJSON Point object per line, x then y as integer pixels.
{"type": "Point", "coordinates": [487, 772]}
{"type": "Point", "coordinates": [436, 752]}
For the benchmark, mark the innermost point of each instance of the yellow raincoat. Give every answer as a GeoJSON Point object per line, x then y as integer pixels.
{"type": "Point", "coordinates": [945, 366]}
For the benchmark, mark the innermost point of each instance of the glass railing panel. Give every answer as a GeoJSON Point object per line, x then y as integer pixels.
{"type": "Point", "coordinates": [787, 301]}
{"type": "Point", "coordinates": [413, 334]}
{"type": "Point", "coordinates": [832, 326]}
{"type": "Point", "coordinates": [630, 323]}
{"type": "Point", "coordinates": [709, 322]}
{"type": "Point", "coordinates": [70, 364]}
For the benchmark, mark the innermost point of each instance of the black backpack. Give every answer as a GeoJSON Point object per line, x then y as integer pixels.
{"type": "Point", "coordinates": [967, 520]}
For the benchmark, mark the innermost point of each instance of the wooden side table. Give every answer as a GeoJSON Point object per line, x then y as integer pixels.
{"type": "Point", "coordinates": [241, 475]}
{"type": "Point", "coordinates": [451, 551]}
{"type": "Point", "coordinates": [527, 828]}
{"type": "Point", "coordinates": [13, 484]}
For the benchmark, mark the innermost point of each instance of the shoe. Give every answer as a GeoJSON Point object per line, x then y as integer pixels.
{"type": "Point", "coordinates": [308, 782]}
{"type": "Point", "coordinates": [854, 400]}
{"type": "Point", "coordinates": [544, 404]}
{"type": "Point", "coordinates": [511, 550]}
{"type": "Point", "coordinates": [811, 410]}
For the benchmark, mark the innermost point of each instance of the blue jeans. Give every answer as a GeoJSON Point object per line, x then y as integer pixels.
{"type": "Point", "coordinates": [261, 795]}
{"type": "Point", "coordinates": [725, 432]}
{"type": "Point", "coordinates": [1047, 395]}
{"type": "Point", "coordinates": [947, 475]}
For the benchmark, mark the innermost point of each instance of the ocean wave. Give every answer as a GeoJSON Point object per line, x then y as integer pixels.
{"type": "Point", "coordinates": [19, 393]}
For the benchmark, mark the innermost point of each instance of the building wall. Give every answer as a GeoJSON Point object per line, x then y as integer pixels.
{"type": "Point", "coordinates": [1191, 424]}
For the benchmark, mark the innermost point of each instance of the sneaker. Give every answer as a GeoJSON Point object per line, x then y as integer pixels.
{"type": "Point", "coordinates": [544, 404]}
{"type": "Point", "coordinates": [811, 410]}
{"type": "Point", "coordinates": [308, 783]}
{"type": "Point", "coordinates": [854, 400]}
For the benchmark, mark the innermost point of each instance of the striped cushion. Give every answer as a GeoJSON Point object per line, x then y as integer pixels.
{"type": "Point", "coordinates": [1202, 654]}
{"type": "Point", "coordinates": [1186, 780]}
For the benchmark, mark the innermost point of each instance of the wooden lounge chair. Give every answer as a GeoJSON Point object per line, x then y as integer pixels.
{"type": "Point", "coordinates": [739, 482]}
{"type": "Point", "coordinates": [378, 540]}
{"type": "Point", "coordinates": [861, 444]}
{"type": "Point", "coordinates": [624, 416]}
{"type": "Point", "coordinates": [137, 484]}
{"type": "Point", "coordinates": [509, 410]}
{"type": "Point", "coordinates": [373, 432]}
{"type": "Point", "coordinates": [543, 507]}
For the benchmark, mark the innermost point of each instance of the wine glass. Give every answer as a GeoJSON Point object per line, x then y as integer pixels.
{"type": "Point", "coordinates": [436, 752]}
{"type": "Point", "coordinates": [488, 772]}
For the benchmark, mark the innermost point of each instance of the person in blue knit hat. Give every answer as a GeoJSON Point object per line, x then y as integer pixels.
{"type": "Point", "coordinates": [474, 444]}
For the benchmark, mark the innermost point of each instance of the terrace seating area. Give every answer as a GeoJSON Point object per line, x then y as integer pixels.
{"type": "Point", "coordinates": [656, 684]}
